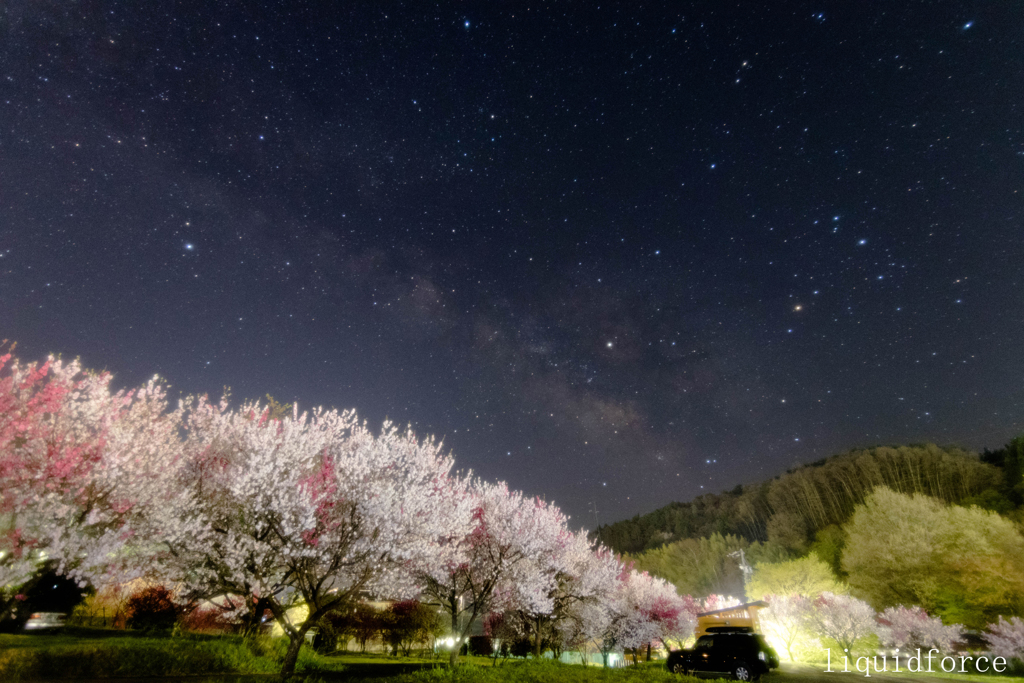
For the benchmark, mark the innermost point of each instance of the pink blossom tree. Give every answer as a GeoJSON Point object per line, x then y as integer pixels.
{"type": "Point", "coordinates": [842, 618]}
{"type": "Point", "coordinates": [308, 510]}
{"type": "Point", "coordinates": [649, 611]}
{"type": "Point", "coordinates": [1006, 638]}
{"type": "Point", "coordinates": [911, 627]}
{"type": "Point", "coordinates": [80, 464]}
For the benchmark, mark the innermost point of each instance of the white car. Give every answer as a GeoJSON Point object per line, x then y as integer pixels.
{"type": "Point", "coordinates": [45, 621]}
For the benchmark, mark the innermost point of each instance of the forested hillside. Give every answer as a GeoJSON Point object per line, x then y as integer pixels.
{"type": "Point", "coordinates": [791, 509]}
{"type": "Point", "coordinates": [939, 528]}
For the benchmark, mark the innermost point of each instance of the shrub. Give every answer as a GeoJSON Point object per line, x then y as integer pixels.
{"type": "Point", "coordinates": [481, 645]}
{"type": "Point", "coordinates": [201, 620]}
{"type": "Point", "coordinates": [326, 639]}
{"type": "Point", "coordinates": [151, 609]}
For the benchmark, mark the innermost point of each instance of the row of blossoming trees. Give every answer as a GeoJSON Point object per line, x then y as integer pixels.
{"type": "Point", "coordinates": [798, 622]}
{"type": "Point", "coordinates": [266, 513]}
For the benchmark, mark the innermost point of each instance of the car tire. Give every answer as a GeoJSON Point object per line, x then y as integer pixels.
{"type": "Point", "coordinates": [743, 672]}
{"type": "Point", "coordinates": [678, 668]}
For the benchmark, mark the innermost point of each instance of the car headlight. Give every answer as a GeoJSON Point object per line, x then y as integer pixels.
{"type": "Point", "coordinates": [760, 655]}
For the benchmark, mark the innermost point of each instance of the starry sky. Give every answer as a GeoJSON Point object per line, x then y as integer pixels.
{"type": "Point", "coordinates": [616, 255]}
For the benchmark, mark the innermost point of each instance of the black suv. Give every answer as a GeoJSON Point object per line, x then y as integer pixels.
{"type": "Point", "coordinates": [736, 652]}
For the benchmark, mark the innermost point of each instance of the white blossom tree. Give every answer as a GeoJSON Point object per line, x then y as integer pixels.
{"type": "Point", "coordinates": [843, 618]}
{"type": "Point", "coordinates": [785, 621]}
{"type": "Point", "coordinates": [585, 626]}
{"type": "Point", "coordinates": [1006, 638]}
{"type": "Point", "coordinates": [311, 509]}
{"type": "Point", "coordinates": [716, 602]}
{"type": "Point", "coordinates": [564, 573]}
{"type": "Point", "coordinates": [495, 531]}
{"type": "Point", "coordinates": [911, 627]}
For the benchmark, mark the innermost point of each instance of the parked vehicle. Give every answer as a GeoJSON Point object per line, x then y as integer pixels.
{"type": "Point", "coordinates": [736, 652]}
{"type": "Point", "coordinates": [45, 621]}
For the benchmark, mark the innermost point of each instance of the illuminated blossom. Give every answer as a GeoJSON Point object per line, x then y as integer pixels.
{"type": "Point", "coordinates": [911, 627]}
{"type": "Point", "coordinates": [1006, 638]}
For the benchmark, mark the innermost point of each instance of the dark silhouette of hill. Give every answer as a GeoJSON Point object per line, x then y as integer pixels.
{"type": "Point", "coordinates": [790, 509]}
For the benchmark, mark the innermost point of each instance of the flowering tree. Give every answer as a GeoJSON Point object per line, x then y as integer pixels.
{"type": "Point", "coordinates": [649, 610]}
{"type": "Point", "coordinates": [1006, 638]}
{"type": "Point", "coordinates": [504, 630]}
{"type": "Point", "coordinates": [843, 618]}
{"type": "Point", "coordinates": [716, 602]}
{"type": "Point", "coordinates": [496, 530]}
{"type": "Point", "coordinates": [310, 509]}
{"type": "Point", "coordinates": [550, 586]}
{"type": "Point", "coordinates": [39, 461]}
{"type": "Point", "coordinates": [911, 627]}
{"type": "Point", "coordinates": [80, 465]}
{"type": "Point", "coordinates": [785, 620]}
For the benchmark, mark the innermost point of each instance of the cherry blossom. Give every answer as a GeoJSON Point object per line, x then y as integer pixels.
{"type": "Point", "coordinates": [842, 618]}
{"type": "Point", "coordinates": [911, 627]}
{"type": "Point", "coordinates": [649, 610]}
{"type": "Point", "coordinates": [80, 464]}
{"type": "Point", "coordinates": [1006, 638]}
{"type": "Point", "coordinates": [564, 573]}
{"type": "Point", "coordinates": [311, 509]}
{"type": "Point", "coordinates": [785, 621]}
{"type": "Point", "coordinates": [496, 531]}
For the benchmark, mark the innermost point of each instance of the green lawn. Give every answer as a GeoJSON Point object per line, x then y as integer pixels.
{"type": "Point", "coordinates": [104, 654]}
{"type": "Point", "coordinates": [129, 656]}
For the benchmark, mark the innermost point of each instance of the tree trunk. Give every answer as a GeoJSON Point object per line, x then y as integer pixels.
{"type": "Point", "coordinates": [254, 619]}
{"type": "Point", "coordinates": [453, 657]}
{"type": "Point", "coordinates": [648, 652]}
{"type": "Point", "coordinates": [295, 639]}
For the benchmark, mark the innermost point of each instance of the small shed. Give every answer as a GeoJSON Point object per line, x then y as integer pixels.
{"type": "Point", "coordinates": [739, 615]}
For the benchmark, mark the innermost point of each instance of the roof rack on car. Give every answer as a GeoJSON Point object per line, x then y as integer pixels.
{"type": "Point", "coordinates": [730, 629]}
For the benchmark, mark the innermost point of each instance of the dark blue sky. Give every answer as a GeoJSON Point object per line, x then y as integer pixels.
{"type": "Point", "coordinates": [608, 253]}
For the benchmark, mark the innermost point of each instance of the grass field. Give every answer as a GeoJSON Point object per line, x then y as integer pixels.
{"type": "Point", "coordinates": [128, 656]}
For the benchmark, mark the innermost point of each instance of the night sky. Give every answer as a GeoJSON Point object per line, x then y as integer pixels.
{"type": "Point", "coordinates": [614, 255]}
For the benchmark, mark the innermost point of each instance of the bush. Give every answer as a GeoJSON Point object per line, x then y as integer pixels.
{"type": "Point", "coordinates": [152, 608]}
{"type": "Point", "coordinates": [481, 645]}
{"type": "Point", "coordinates": [326, 639]}
{"type": "Point", "coordinates": [521, 647]}
{"type": "Point", "coordinates": [200, 620]}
